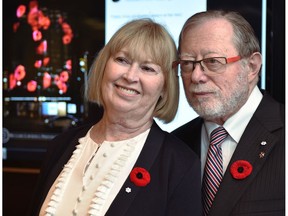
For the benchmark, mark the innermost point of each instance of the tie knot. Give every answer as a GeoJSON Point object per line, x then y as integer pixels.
{"type": "Point", "coordinates": [217, 136]}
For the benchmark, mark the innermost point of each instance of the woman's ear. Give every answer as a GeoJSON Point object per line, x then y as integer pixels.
{"type": "Point", "coordinates": [255, 63]}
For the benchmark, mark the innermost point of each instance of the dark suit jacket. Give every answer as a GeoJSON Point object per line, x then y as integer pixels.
{"type": "Point", "coordinates": [175, 187]}
{"type": "Point", "coordinates": [263, 192]}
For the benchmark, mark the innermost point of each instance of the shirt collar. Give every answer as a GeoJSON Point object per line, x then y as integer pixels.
{"type": "Point", "coordinates": [236, 124]}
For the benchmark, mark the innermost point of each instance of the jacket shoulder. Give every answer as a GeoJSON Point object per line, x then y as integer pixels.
{"type": "Point", "coordinates": [186, 128]}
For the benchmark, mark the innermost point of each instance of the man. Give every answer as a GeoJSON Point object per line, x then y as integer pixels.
{"type": "Point", "coordinates": [220, 62]}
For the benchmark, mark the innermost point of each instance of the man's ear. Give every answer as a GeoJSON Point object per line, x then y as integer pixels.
{"type": "Point", "coordinates": [255, 63]}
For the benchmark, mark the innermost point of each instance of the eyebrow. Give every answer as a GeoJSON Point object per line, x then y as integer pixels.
{"type": "Point", "coordinates": [124, 52]}
{"type": "Point", "coordinates": [192, 56]}
{"type": "Point", "coordinates": [128, 55]}
{"type": "Point", "coordinates": [185, 55]}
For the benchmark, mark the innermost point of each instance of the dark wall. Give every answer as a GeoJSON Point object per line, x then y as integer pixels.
{"type": "Point", "coordinates": [17, 188]}
{"type": "Point", "coordinates": [276, 49]}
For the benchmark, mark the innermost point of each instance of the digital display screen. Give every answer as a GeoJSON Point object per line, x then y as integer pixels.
{"type": "Point", "coordinates": [42, 80]}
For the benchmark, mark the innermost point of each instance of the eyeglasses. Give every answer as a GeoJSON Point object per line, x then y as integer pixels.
{"type": "Point", "coordinates": [209, 66]}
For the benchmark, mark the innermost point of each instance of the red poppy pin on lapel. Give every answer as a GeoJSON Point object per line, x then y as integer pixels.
{"type": "Point", "coordinates": [241, 169]}
{"type": "Point", "coordinates": [140, 176]}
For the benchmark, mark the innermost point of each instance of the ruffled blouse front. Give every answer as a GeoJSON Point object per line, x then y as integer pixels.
{"type": "Point", "coordinates": [91, 179]}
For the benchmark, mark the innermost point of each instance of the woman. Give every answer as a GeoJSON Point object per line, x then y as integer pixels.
{"type": "Point", "coordinates": [124, 164]}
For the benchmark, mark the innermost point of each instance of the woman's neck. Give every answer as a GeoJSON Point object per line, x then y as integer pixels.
{"type": "Point", "coordinates": [111, 129]}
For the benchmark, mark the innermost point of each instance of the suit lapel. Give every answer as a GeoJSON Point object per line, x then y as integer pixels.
{"type": "Point", "coordinates": [191, 134]}
{"type": "Point", "coordinates": [195, 137]}
{"type": "Point", "coordinates": [250, 149]}
{"type": "Point", "coordinates": [151, 148]}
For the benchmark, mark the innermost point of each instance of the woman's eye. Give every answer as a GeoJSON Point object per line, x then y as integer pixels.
{"type": "Point", "coordinates": [148, 69]}
{"type": "Point", "coordinates": [122, 60]}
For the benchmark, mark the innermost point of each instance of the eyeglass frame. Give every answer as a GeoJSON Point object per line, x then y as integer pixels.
{"type": "Point", "coordinates": [227, 60]}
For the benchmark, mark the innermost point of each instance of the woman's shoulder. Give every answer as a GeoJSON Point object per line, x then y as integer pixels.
{"type": "Point", "coordinates": [175, 146]}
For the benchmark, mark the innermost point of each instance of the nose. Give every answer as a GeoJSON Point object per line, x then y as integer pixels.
{"type": "Point", "coordinates": [132, 73]}
{"type": "Point", "coordinates": [198, 75]}
{"type": "Point", "coordinates": [200, 65]}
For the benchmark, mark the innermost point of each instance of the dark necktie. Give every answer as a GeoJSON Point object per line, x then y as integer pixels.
{"type": "Point", "coordinates": [213, 171]}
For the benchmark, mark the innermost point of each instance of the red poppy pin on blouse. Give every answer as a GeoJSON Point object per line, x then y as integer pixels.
{"type": "Point", "coordinates": [140, 176]}
{"type": "Point", "coordinates": [241, 169]}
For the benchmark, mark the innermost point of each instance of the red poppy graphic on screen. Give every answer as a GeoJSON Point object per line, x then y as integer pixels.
{"type": "Point", "coordinates": [68, 33]}
{"type": "Point", "coordinates": [140, 176]}
{"type": "Point", "coordinates": [38, 63]}
{"type": "Point", "coordinates": [37, 35]}
{"type": "Point", "coordinates": [32, 86]}
{"type": "Point", "coordinates": [62, 86]}
{"type": "Point", "coordinates": [21, 11]}
{"type": "Point", "coordinates": [19, 72]}
{"type": "Point", "coordinates": [46, 61]}
{"type": "Point", "coordinates": [44, 22]}
{"type": "Point", "coordinates": [241, 169]}
{"type": "Point", "coordinates": [68, 64]}
{"type": "Point", "coordinates": [66, 39]}
{"type": "Point", "coordinates": [32, 17]}
{"type": "Point", "coordinates": [12, 81]}
{"type": "Point", "coordinates": [66, 28]}
{"type": "Point", "coordinates": [46, 80]}
{"type": "Point", "coordinates": [64, 76]}
{"type": "Point", "coordinates": [42, 48]}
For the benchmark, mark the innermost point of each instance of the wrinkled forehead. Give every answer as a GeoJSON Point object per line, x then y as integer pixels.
{"type": "Point", "coordinates": [211, 35]}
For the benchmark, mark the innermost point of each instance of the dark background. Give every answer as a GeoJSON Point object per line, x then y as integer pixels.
{"type": "Point", "coordinates": [87, 18]}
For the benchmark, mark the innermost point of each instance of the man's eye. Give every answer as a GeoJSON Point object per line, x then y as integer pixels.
{"type": "Point", "coordinates": [212, 61]}
{"type": "Point", "coordinates": [186, 63]}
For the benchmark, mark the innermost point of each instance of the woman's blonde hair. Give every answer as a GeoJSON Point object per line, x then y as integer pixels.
{"type": "Point", "coordinates": [142, 38]}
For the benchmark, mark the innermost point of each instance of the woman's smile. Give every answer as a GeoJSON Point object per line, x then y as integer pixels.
{"type": "Point", "coordinates": [126, 91]}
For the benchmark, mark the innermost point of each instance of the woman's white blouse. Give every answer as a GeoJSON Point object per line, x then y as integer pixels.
{"type": "Point", "coordinates": [93, 176]}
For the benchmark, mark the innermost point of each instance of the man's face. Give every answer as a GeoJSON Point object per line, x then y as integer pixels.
{"type": "Point", "coordinates": [214, 95]}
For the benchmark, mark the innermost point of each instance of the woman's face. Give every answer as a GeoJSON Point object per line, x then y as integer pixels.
{"type": "Point", "coordinates": [131, 87]}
